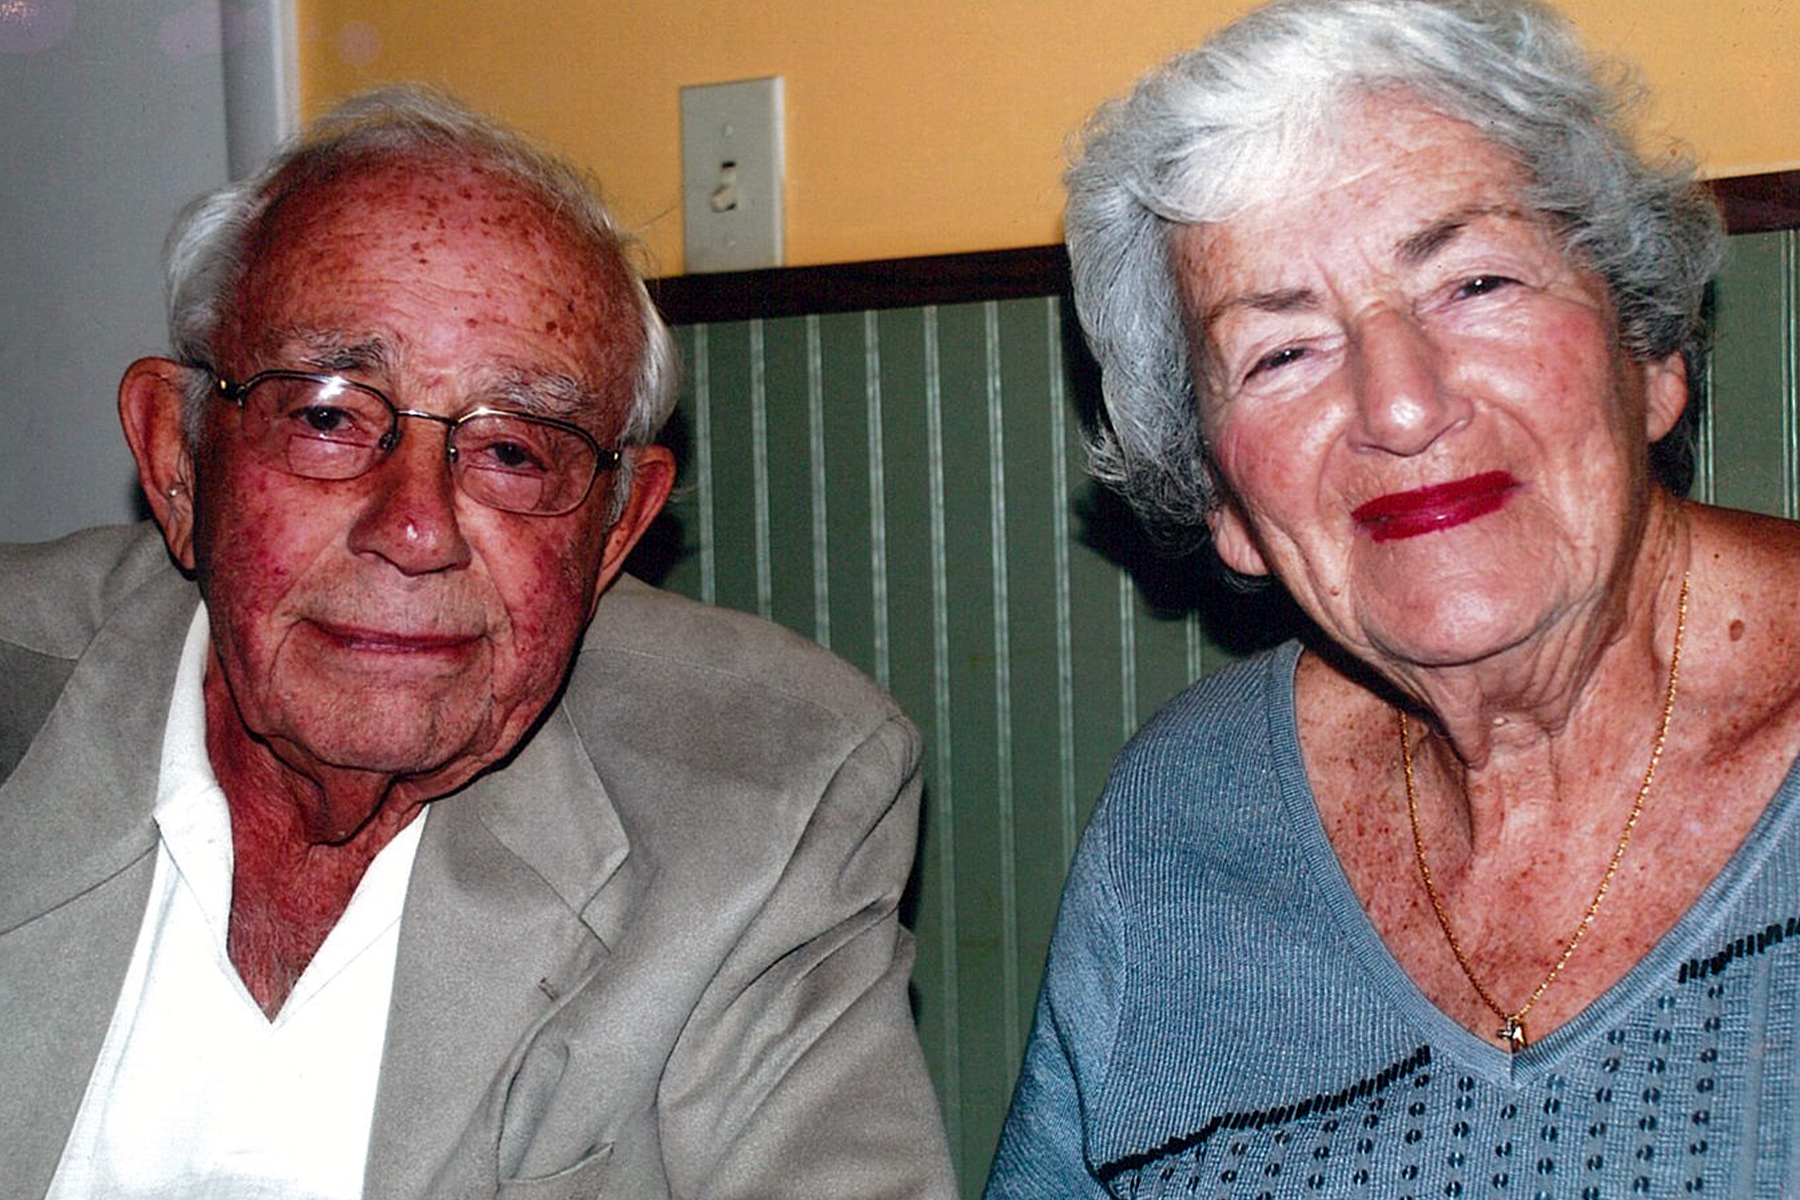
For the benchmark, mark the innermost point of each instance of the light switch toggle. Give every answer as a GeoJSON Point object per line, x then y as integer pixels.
{"type": "Point", "coordinates": [725, 196]}
{"type": "Point", "coordinates": [731, 175]}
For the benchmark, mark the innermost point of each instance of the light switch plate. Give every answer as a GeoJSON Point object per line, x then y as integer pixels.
{"type": "Point", "coordinates": [731, 176]}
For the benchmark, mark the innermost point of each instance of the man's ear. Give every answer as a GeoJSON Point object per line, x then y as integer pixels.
{"type": "Point", "coordinates": [652, 478]}
{"type": "Point", "coordinates": [1665, 394]}
{"type": "Point", "coordinates": [1232, 539]}
{"type": "Point", "coordinates": [151, 399]}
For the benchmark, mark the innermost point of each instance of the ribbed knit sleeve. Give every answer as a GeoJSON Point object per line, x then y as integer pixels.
{"type": "Point", "coordinates": [1042, 1148]}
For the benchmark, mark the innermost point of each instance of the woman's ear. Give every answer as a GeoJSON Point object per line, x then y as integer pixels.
{"type": "Point", "coordinates": [152, 397]}
{"type": "Point", "coordinates": [1232, 539]}
{"type": "Point", "coordinates": [1665, 394]}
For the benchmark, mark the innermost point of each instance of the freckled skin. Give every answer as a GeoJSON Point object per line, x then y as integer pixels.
{"type": "Point", "coordinates": [1401, 381]}
{"type": "Point", "coordinates": [377, 642]}
{"type": "Point", "coordinates": [399, 549]}
{"type": "Point", "coordinates": [1357, 358]}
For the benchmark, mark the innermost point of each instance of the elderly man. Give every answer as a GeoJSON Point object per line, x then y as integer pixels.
{"type": "Point", "coordinates": [420, 853]}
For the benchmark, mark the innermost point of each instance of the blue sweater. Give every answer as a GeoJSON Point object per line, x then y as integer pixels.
{"type": "Point", "coordinates": [1219, 1017]}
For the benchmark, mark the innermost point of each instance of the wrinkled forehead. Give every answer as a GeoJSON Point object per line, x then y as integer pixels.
{"type": "Point", "coordinates": [1305, 141]}
{"type": "Point", "coordinates": [1386, 164]}
{"type": "Point", "coordinates": [385, 222]}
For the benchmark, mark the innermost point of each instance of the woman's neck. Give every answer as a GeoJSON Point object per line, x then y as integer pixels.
{"type": "Point", "coordinates": [1591, 673]}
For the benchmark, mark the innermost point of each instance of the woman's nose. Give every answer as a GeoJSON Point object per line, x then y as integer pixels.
{"type": "Point", "coordinates": [1404, 402]}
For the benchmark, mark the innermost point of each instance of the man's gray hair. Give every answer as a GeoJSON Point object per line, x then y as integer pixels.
{"type": "Point", "coordinates": [205, 254]}
{"type": "Point", "coordinates": [1202, 137]}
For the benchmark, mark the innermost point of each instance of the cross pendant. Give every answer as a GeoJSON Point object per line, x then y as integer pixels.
{"type": "Point", "coordinates": [1512, 1035]}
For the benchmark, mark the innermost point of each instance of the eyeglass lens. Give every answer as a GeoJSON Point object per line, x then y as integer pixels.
{"type": "Point", "coordinates": [331, 429]}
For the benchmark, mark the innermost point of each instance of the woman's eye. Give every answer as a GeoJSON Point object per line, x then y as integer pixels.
{"type": "Point", "coordinates": [1275, 360]}
{"type": "Point", "coordinates": [1482, 285]}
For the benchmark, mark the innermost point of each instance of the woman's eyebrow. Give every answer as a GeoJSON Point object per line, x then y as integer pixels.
{"type": "Point", "coordinates": [1278, 300]}
{"type": "Point", "coordinates": [1416, 249]}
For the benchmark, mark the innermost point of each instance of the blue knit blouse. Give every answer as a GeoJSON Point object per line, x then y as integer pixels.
{"type": "Point", "coordinates": [1220, 1019]}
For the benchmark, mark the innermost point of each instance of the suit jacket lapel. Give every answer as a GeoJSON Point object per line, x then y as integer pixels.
{"type": "Point", "coordinates": [76, 857]}
{"type": "Point", "coordinates": [518, 886]}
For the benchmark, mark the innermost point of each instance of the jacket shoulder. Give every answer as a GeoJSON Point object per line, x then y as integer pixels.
{"type": "Point", "coordinates": [729, 711]}
{"type": "Point", "coordinates": [60, 593]}
{"type": "Point", "coordinates": [723, 656]}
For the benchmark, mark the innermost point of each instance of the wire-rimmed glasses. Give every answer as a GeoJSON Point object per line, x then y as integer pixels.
{"type": "Point", "coordinates": [320, 426]}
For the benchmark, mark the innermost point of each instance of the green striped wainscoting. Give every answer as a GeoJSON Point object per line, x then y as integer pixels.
{"type": "Point", "coordinates": [1748, 441]}
{"type": "Point", "coordinates": [905, 486]}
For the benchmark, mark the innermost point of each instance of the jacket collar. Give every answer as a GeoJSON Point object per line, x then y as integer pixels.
{"type": "Point", "coordinates": [93, 764]}
{"type": "Point", "coordinates": [522, 883]}
{"type": "Point", "coordinates": [76, 842]}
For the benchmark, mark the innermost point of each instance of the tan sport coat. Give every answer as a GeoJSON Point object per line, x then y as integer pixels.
{"type": "Point", "coordinates": [654, 954]}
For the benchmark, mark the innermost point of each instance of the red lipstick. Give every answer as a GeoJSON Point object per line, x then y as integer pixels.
{"type": "Point", "coordinates": [1440, 506]}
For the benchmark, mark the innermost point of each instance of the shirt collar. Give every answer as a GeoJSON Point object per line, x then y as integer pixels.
{"type": "Point", "coordinates": [190, 811]}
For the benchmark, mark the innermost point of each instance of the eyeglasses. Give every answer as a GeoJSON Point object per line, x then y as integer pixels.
{"type": "Point", "coordinates": [326, 427]}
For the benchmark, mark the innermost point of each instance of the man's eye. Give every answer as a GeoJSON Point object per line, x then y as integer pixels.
{"type": "Point", "coordinates": [325, 420]}
{"type": "Point", "coordinates": [512, 455]}
{"type": "Point", "coordinates": [1482, 285]}
{"type": "Point", "coordinates": [502, 454]}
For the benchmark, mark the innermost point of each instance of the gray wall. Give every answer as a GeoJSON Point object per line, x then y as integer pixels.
{"type": "Point", "coordinates": [112, 115]}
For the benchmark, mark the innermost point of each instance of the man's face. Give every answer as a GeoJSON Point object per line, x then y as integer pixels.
{"type": "Point", "coordinates": [389, 623]}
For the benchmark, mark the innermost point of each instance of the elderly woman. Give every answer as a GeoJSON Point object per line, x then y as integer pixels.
{"type": "Point", "coordinates": [1493, 886]}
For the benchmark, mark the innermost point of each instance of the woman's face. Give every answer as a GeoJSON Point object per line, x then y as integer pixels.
{"type": "Point", "coordinates": [1418, 405]}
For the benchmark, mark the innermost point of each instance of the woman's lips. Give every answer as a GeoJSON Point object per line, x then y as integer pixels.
{"type": "Point", "coordinates": [1440, 506]}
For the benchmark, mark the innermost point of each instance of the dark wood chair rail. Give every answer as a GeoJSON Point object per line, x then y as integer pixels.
{"type": "Point", "coordinates": [1750, 203]}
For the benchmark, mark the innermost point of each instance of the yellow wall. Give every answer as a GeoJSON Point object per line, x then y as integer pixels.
{"type": "Point", "coordinates": [930, 126]}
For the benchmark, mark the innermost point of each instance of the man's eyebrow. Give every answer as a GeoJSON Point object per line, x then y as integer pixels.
{"type": "Point", "coordinates": [323, 350]}
{"type": "Point", "coordinates": [548, 394]}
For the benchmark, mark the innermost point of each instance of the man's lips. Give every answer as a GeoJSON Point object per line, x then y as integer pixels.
{"type": "Point", "coordinates": [386, 641]}
{"type": "Point", "coordinates": [1440, 506]}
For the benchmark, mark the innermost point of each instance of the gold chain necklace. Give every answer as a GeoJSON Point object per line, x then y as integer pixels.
{"type": "Point", "coordinates": [1512, 1025]}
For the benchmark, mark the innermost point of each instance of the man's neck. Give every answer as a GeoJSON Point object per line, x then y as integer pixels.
{"type": "Point", "coordinates": [301, 843]}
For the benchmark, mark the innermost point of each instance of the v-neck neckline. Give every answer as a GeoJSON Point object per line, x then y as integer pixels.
{"type": "Point", "coordinates": [1384, 973]}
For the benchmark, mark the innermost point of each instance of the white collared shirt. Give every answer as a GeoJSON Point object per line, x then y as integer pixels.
{"type": "Point", "coordinates": [196, 1093]}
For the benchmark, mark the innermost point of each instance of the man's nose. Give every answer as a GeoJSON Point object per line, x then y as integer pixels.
{"type": "Point", "coordinates": [1403, 401]}
{"type": "Point", "coordinates": [409, 513]}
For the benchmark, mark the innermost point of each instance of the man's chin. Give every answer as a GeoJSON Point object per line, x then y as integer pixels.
{"type": "Point", "coordinates": [387, 748]}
